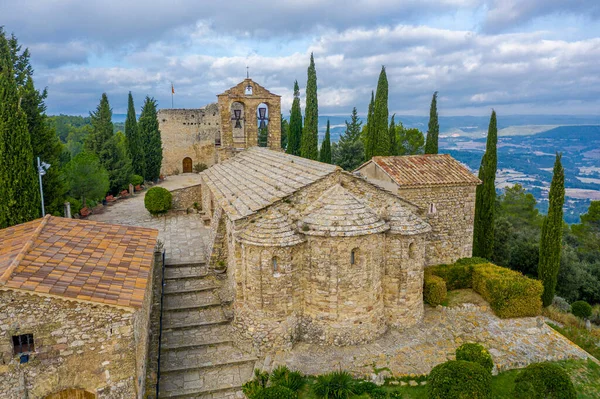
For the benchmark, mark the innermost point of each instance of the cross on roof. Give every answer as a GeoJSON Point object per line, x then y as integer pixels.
{"type": "Point", "coordinates": [247, 72]}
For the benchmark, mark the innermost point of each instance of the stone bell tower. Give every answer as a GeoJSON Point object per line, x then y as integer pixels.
{"type": "Point", "coordinates": [245, 109]}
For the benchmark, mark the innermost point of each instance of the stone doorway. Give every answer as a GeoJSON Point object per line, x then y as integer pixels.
{"type": "Point", "coordinates": [72, 393]}
{"type": "Point", "coordinates": [187, 165]}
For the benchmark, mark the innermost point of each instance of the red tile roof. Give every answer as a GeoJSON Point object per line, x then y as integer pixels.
{"type": "Point", "coordinates": [80, 259]}
{"type": "Point", "coordinates": [426, 170]}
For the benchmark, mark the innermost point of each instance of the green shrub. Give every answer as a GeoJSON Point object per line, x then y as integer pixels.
{"type": "Point", "coordinates": [543, 380]}
{"type": "Point", "coordinates": [158, 200]}
{"type": "Point", "coordinates": [509, 293]}
{"type": "Point", "coordinates": [76, 205]}
{"type": "Point", "coordinates": [362, 387]}
{"type": "Point", "coordinates": [253, 388]}
{"type": "Point", "coordinates": [561, 304]}
{"type": "Point", "coordinates": [136, 180]}
{"type": "Point", "coordinates": [455, 275]}
{"type": "Point", "coordinates": [283, 377]}
{"type": "Point", "coordinates": [472, 352]}
{"type": "Point", "coordinates": [471, 261]}
{"type": "Point", "coordinates": [459, 379]}
{"type": "Point", "coordinates": [334, 385]}
{"type": "Point", "coordinates": [199, 167]}
{"type": "Point", "coordinates": [581, 309]}
{"type": "Point", "coordinates": [276, 392]}
{"type": "Point", "coordinates": [434, 289]}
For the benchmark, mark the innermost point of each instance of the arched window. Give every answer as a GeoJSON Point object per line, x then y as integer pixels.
{"type": "Point", "coordinates": [432, 209]}
{"type": "Point", "coordinates": [262, 117]}
{"type": "Point", "coordinates": [412, 250]}
{"type": "Point", "coordinates": [275, 262]}
{"type": "Point", "coordinates": [354, 256]}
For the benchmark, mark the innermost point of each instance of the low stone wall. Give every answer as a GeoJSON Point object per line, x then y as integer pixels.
{"type": "Point", "coordinates": [184, 198]}
{"type": "Point", "coordinates": [154, 329]}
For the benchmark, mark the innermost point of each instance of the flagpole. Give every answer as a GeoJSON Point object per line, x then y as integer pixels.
{"type": "Point", "coordinates": [172, 92]}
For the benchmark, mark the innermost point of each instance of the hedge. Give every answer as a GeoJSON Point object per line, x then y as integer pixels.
{"type": "Point", "coordinates": [472, 352]}
{"type": "Point", "coordinates": [509, 293]}
{"type": "Point", "coordinates": [276, 392]}
{"type": "Point", "coordinates": [434, 289]}
{"type": "Point", "coordinates": [543, 380]}
{"type": "Point", "coordinates": [158, 200]}
{"type": "Point", "coordinates": [459, 379]}
{"type": "Point", "coordinates": [581, 309]}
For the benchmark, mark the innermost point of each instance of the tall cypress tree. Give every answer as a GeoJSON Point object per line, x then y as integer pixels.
{"type": "Point", "coordinates": [285, 129]}
{"type": "Point", "coordinates": [551, 238]}
{"type": "Point", "coordinates": [433, 130]}
{"type": "Point", "coordinates": [148, 125]}
{"type": "Point", "coordinates": [380, 134]}
{"type": "Point", "coordinates": [309, 147]}
{"type": "Point", "coordinates": [102, 127]}
{"type": "Point", "coordinates": [135, 148]}
{"type": "Point", "coordinates": [295, 133]}
{"type": "Point", "coordinates": [19, 189]}
{"type": "Point", "coordinates": [392, 137]}
{"type": "Point", "coordinates": [325, 153]}
{"type": "Point", "coordinates": [369, 140]}
{"type": "Point", "coordinates": [485, 197]}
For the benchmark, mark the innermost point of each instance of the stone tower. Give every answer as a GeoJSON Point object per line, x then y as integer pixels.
{"type": "Point", "coordinates": [243, 109]}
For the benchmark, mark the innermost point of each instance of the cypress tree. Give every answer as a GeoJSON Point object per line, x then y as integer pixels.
{"type": "Point", "coordinates": [148, 125]}
{"type": "Point", "coordinates": [433, 130]}
{"type": "Point", "coordinates": [295, 133]}
{"type": "Point", "coordinates": [369, 140]}
{"type": "Point", "coordinates": [135, 148]}
{"type": "Point", "coordinates": [381, 145]}
{"type": "Point", "coordinates": [392, 137]}
{"type": "Point", "coordinates": [551, 238]}
{"type": "Point", "coordinates": [285, 128]}
{"type": "Point", "coordinates": [102, 127]}
{"type": "Point", "coordinates": [325, 153]}
{"type": "Point", "coordinates": [309, 147]}
{"type": "Point", "coordinates": [19, 190]}
{"type": "Point", "coordinates": [485, 197]}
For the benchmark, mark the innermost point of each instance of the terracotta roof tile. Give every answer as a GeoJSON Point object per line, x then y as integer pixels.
{"type": "Point", "coordinates": [425, 170]}
{"type": "Point", "coordinates": [78, 259]}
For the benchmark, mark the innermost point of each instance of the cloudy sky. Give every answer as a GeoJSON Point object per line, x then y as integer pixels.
{"type": "Point", "coordinates": [517, 56]}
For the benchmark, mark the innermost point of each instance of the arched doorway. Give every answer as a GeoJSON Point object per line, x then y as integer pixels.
{"type": "Point", "coordinates": [72, 393]}
{"type": "Point", "coordinates": [187, 165]}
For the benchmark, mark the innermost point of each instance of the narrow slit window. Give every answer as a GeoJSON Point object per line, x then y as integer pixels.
{"type": "Point", "coordinates": [275, 265]}
{"type": "Point", "coordinates": [353, 256]}
{"type": "Point", "coordinates": [23, 343]}
{"type": "Point", "coordinates": [432, 208]}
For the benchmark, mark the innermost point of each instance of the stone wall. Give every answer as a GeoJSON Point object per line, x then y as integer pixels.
{"type": "Point", "coordinates": [77, 345]}
{"type": "Point", "coordinates": [184, 198]}
{"type": "Point", "coordinates": [154, 328]}
{"type": "Point", "coordinates": [188, 133]}
{"type": "Point", "coordinates": [451, 237]}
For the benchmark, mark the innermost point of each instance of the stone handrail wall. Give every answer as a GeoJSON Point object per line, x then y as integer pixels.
{"type": "Point", "coordinates": [184, 198]}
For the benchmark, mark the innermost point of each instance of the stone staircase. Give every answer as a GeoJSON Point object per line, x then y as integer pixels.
{"type": "Point", "coordinates": [198, 357]}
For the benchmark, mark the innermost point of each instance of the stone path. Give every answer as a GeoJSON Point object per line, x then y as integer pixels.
{"type": "Point", "coordinates": [513, 343]}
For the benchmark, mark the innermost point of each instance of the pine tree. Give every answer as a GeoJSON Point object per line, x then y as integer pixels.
{"type": "Point", "coordinates": [433, 130]}
{"type": "Point", "coordinates": [369, 140]}
{"type": "Point", "coordinates": [148, 126]}
{"type": "Point", "coordinates": [392, 137]}
{"type": "Point", "coordinates": [102, 127]}
{"type": "Point", "coordinates": [551, 238]}
{"type": "Point", "coordinates": [381, 145]}
{"type": "Point", "coordinates": [485, 197]}
{"type": "Point", "coordinates": [295, 134]}
{"type": "Point", "coordinates": [325, 153]}
{"type": "Point", "coordinates": [352, 128]}
{"type": "Point", "coordinates": [115, 160]}
{"type": "Point", "coordinates": [135, 148]}
{"type": "Point", "coordinates": [349, 151]}
{"type": "Point", "coordinates": [19, 190]}
{"type": "Point", "coordinates": [309, 147]}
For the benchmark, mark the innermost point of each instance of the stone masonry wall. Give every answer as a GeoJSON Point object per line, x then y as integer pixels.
{"type": "Point", "coordinates": [141, 332]}
{"type": "Point", "coordinates": [77, 345]}
{"type": "Point", "coordinates": [452, 223]}
{"type": "Point", "coordinates": [188, 133]}
{"type": "Point", "coordinates": [186, 197]}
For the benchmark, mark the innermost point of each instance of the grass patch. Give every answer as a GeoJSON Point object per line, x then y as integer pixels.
{"type": "Point", "coordinates": [587, 340]}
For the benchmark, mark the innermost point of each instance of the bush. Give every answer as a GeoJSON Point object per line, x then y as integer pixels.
{"type": "Point", "coordinates": [476, 353]}
{"type": "Point", "coordinates": [199, 167]}
{"type": "Point", "coordinates": [471, 261]}
{"type": "Point", "coordinates": [253, 388]}
{"type": "Point", "coordinates": [335, 385]}
{"type": "Point", "coordinates": [509, 293]}
{"type": "Point", "coordinates": [459, 379]}
{"type": "Point", "coordinates": [543, 380]}
{"type": "Point", "coordinates": [561, 304]}
{"type": "Point", "coordinates": [276, 392]}
{"type": "Point", "coordinates": [434, 289]}
{"type": "Point", "coordinates": [362, 387]}
{"type": "Point", "coordinates": [456, 275]}
{"type": "Point", "coordinates": [581, 309]}
{"type": "Point", "coordinates": [283, 377]}
{"type": "Point", "coordinates": [76, 205]}
{"type": "Point", "coordinates": [136, 180]}
{"type": "Point", "coordinates": [158, 200]}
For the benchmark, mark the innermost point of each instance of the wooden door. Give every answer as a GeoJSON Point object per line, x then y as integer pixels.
{"type": "Point", "coordinates": [187, 165]}
{"type": "Point", "coordinates": [72, 393]}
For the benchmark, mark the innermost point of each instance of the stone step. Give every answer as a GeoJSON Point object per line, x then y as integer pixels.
{"type": "Point", "coordinates": [202, 357]}
{"type": "Point", "coordinates": [207, 382]}
{"type": "Point", "coordinates": [173, 265]}
{"type": "Point", "coordinates": [192, 337]}
{"type": "Point", "coordinates": [186, 272]}
{"type": "Point", "coordinates": [191, 300]}
{"type": "Point", "coordinates": [193, 317]}
{"type": "Point", "coordinates": [180, 286]}
{"type": "Point", "coordinates": [225, 393]}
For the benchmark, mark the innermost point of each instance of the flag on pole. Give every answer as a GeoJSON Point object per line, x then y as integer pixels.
{"type": "Point", "coordinates": [172, 89]}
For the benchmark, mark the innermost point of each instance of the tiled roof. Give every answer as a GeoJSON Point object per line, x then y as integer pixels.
{"type": "Point", "coordinates": [79, 259]}
{"type": "Point", "coordinates": [258, 177]}
{"type": "Point", "coordinates": [272, 229]}
{"type": "Point", "coordinates": [425, 170]}
{"type": "Point", "coordinates": [339, 213]}
{"type": "Point", "coordinates": [404, 222]}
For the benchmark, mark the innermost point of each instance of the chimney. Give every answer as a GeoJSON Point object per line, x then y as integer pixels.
{"type": "Point", "coordinates": [68, 210]}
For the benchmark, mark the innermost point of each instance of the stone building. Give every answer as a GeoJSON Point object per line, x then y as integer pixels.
{"type": "Point", "coordinates": [312, 253]}
{"type": "Point", "coordinates": [440, 185]}
{"type": "Point", "coordinates": [219, 130]}
{"type": "Point", "coordinates": [75, 301]}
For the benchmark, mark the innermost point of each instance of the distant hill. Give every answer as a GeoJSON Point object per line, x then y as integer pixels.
{"type": "Point", "coordinates": [584, 132]}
